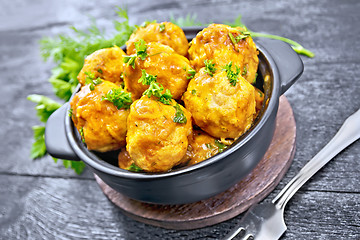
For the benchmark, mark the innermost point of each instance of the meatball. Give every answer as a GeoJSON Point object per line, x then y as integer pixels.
{"type": "Point", "coordinates": [222, 44]}
{"type": "Point", "coordinates": [166, 33]}
{"type": "Point", "coordinates": [100, 123]}
{"type": "Point", "coordinates": [105, 63]}
{"type": "Point", "coordinates": [218, 107]}
{"type": "Point", "coordinates": [170, 68]}
{"type": "Point", "coordinates": [154, 141]}
{"type": "Point", "coordinates": [202, 146]}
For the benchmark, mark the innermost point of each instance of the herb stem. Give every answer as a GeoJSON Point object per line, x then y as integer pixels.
{"type": "Point", "coordinates": [295, 45]}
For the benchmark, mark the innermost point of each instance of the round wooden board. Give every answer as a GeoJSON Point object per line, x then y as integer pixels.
{"type": "Point", "coordinates": [252, 189]}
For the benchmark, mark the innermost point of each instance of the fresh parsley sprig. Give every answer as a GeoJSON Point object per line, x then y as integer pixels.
{"type": "Point", "coordinates": [118, 97]}
{"type": "Point", "coordinates": [155, 89]}
{"type": "Point", "coordinates": [140, 47]}
{"type": "Point", "coordinates": [233, 76]}
{"type": "Point", "coordinates": [191, 73]}
{"type": "Point", "coordinates": [209, 67]}
{"type": "Point", "coordinates": [179, 114]}
{"type": "Point", "coordinates": [90, 79]}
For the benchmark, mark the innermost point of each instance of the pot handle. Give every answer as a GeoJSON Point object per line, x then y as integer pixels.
{"type": "Point", "coordinates": [56, 141]}
{"type": "Point", "coordinates": [289, 63]}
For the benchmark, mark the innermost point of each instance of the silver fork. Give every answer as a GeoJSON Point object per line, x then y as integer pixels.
{"type": "Point", "coordinates": [265, 221]}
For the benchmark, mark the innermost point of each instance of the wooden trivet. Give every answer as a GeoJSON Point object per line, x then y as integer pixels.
{"type": "Point", "coordinates": [252, 189]}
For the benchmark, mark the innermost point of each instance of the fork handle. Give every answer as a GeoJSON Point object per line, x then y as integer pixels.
{"type": "Point", "coordinates": [347, 134]}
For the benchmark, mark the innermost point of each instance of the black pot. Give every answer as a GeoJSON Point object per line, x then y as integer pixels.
{"type": "Point", "coordinates": [277, 62]}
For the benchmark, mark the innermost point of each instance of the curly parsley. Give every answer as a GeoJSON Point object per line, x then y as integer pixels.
{"type": "Point", "coordinates": [179, 115]}
{"type": "Point", "coordinates": [220, 146]}
{"type": "Point", "coordinates": [155, 89]}
{"type": "Point", "coordinates": [118, 97]}
{"type": "Point", "coordinates": [162, 27]}
{"type": "Point", "coordinates": [89, 79]}
{"type": "Point", "coordinates": [233, 76]}
{"type": "Point", "coordinates": [140, 47]}
{"type": "Point", "coordinates": [210, 67]}
{"type": "Point", "coordinates": [191, 73]}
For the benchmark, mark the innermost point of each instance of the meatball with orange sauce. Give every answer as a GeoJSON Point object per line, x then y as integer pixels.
{"type": "Point", "coordinates": [156, 142]}
{"type": "Point", "coordinates": [222, 105]}
{"type": "Point", "coordinates": [170, 69]}
{"type": "Point", "coordinates": [101, 124]}
{"type": "Point", "coordinates": [105, 63]}
{"type": "Point", "coordinates": [223, 44]}
{"type": "Point", "coordinates": [166, 33]}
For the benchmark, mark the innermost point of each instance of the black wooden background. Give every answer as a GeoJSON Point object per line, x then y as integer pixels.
{"type": "Point", "coordinates": [40, 199]}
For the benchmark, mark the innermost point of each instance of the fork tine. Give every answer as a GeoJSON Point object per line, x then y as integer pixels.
{"type": "Point", "coordinates": [238, 234]}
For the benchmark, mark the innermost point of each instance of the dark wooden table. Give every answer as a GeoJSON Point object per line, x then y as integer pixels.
{"type": "Point", "coordinates": [40, 199]}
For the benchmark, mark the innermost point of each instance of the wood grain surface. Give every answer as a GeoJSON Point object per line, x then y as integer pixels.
{"type": "Point", "coordinates": [39, 199]}
{"type": "Point", "coordinates": [252, 189]}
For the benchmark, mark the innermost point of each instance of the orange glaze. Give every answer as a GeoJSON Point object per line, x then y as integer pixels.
{"type": "Point", "coordinates": [214, 43]}
{"type": "Point", "coordinates": [105, 63]}
{"type": "Point", "coordinates": [171, 35]}
{"type": "Point", "coordinates": [169, 67]}
{"type": "Point", "coordinates": [154, 141]}
{"type": "Point", "coordinates": [102, 124]}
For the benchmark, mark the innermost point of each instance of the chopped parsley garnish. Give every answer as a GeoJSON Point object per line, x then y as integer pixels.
{"type": "Point", "coordinates": [118, 97]}
{"type": "Point", "coordinates": [179, 115]}
{"type": "Point", "coordinates": [254, 81]}
{"type": "Point", "coordinates": [232, 38]}
{"type": "Point", "coordinates": [244, 72]}
{"type": "Point", "coordinates": [70, 113]}
{"type": "Point", "coordinates": [162, 27]}
{"type": "Point", "coordinates": [208, 145]}
{"type": "Point", "coordinates": [89, 79]}
{"type": "Point", "coordinates": [146, 78]}
{"type": "Point", "coordinates": [191, 73]}
{"type": "Point", "coordinates": [141, 48]}
{"type": "Point", "coordinates": [220, 146]}
{"type": "Point", "coordinates": [193, 92]}
{"type": "Point", "coordinates": [233, 76]}
{"type": "Point", "coordinates": [210, 67]}
{"type": "Point", "coordinates": [81, 131]}
{"type": "Point", "coordinates": [100, 70]}
{"type": "Point", "coordinates": [242, 35]}
{"type": "Point", "coordinates": [155, 89]}
{"type": "Point", "coordinates": [134, 168]}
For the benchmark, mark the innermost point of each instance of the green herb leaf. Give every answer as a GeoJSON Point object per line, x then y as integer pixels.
{"type": "Point", "coordinates": [146, 79]}
{"type": "Point", "coordinates": [77, 166]}
{"type": "Point", "coordinates": [191, 73]}
{"type": "Point", "coordinates": [141, 47]}
{"type": "Point", "coordinates": [118, 97]}
{"type": "Point", "coordinates": [81, 131]}
{"type": "Point", "coordinates": [162, 27]}
{"type": "Point", "coordinates": [220, 146]}
{"type": "Point", "coordinates": [232, 38]}
{"type": "Point", "coordinates": [242, 35]}
{"type": "Point", "coordinates": [156, 90]}
{"type": "Point", "coordinates": [244, 72]}
{"type": "Point", "coordinates": [89, 79]}
{"type": "Point", "coordinates": [45, 106]}
{"type": "Point", "coordinates": [130, 60]}
{"type": "Point", "coordinates": [38, 149]}
{"type": "Point", "coordinates": [134, 168]}
{"type": "Point", "coordinates": [210, 67]}
{"type": "Point", "coordinates": [193, 92]}
{"type": "Point", "coordinates": [233, 76]}
{"type": "Point", "coordinates": [179, 115]}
